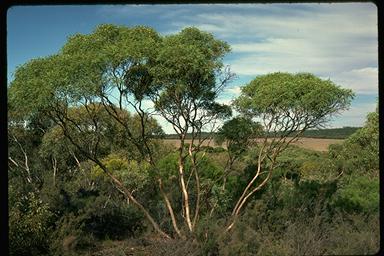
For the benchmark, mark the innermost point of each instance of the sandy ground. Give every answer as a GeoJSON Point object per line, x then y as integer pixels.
{"type": "Point", "coordinates": [308, 143]}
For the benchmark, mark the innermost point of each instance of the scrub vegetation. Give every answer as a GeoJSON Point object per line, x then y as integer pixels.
{"type": "Point", "coordinates": [91, 174]}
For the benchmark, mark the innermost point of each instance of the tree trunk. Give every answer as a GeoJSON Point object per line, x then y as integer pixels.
{"type": "Point", "coordinates": [170, 210]}
{"type": "Point", "coordinates": [183, 186]}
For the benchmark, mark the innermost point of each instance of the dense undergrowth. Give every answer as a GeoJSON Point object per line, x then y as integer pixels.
{"type": "Point", "coordinates": [316, 204]}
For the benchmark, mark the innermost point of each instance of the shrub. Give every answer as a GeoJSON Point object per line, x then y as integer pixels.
{"type": "Point", "coordinates": [133, 174]}
{"type": "Point", "coordinates": [29, 226]}
{"type": "Point", "coordinates": [69, 239]}
{"type": "Point", "coordinates": [358, 194]}
{"type": "Point", "coordinates": [117, 221]}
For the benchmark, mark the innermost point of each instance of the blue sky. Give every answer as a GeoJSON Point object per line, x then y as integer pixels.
{"type": "Point", "coordinates": [336, 41]}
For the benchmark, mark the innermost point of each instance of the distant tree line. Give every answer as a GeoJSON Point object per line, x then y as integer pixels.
{"type": "Point", "coordinates": [326, 133]}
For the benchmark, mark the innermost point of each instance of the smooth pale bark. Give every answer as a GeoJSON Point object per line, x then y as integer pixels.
{"type": "Point", "coordinates": [170, 210]}
{"type": "Point", "coordinates": [197, 179]}
{"type": "Point", "coordinates": [184, 192]}
{"type": "Point", "coordinates": [288, 104]}
{"type": "Point", "coordinates": [281, 145]}
{"type": "Point", "coordinates": [25, 166]}
{"type": "Point", "coordinates": [54, 166]}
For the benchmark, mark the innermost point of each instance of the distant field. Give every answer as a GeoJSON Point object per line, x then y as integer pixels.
{"type": "Point", "coordinates": [317, 144]}
{"type": "Point", "coordinates": [308, 143]}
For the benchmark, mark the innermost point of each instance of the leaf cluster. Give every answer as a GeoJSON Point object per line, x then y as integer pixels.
{"type": "Point", "coordinates": [300, 99]}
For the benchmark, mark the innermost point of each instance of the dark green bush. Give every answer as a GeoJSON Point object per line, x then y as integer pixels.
{"type": "Point", "coordinates": [104, 220]}
{"type": "Point", "coordinates": [29, 226]}
{"type": "Point", "coordinates": [69, 237]}
{"type": "Point", "coordinates": [358, 194]}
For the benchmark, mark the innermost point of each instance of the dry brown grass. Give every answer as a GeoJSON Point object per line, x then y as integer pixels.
{"type": "Point", "coordinates": [316, 143]}
{"type": "Point", "coordinates": [308, 143]}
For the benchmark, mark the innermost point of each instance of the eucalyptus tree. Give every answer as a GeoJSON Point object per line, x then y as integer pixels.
{"type": "Point", "coordinates": [286, 105]}
{"type": "Point", "coordinates": [103, 73]}
{"type": "Point", "coordinates": [97, 78]}
{"type": "Point", "coordinates": [24, 138]}
{"type": "Point", "coordinates": [191, 74]}
{"type": "Point", "coordinates": [238, 134]}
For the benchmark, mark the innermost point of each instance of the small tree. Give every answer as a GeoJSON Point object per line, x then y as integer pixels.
{"type": "Point", "coordinates": [238, 134]}
{"type": "Point", "coordinates": [190, 71]}
{"type": "Point", "coordinates": [286, 105]}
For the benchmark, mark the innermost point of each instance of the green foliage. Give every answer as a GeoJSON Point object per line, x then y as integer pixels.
{"type": "Point", "coordinates": [168, 167]}
{"type": "Point", "coordinates": [296, 163]}
{"type": "Point", "coordinates": [358, 194]}
{"type": "Point", "coordinates": [208, 168]}
{"type": "Point", "coordinates": [70, 86]}
{"type": "Point", "coordinates": [209, 172]}
{"type": "Point", "coordinates": [186, 68]}
{"type": "Point", "coordinates": [221, 199]}
{"type": "Point", "coordinates": [69, 238]}
{"type": "Point", "coordinates": [298, 222]}
{"type": "Point", "coordinates": [244, 240]}
{"type": "Point", "coordinates": [309, 99]}
{"type": "Point", "coordinates": [354, 234]}
{"type": "Point", "coordinates": [111, 49]}
{"type": "Point", "coordinates": [207, 233]}
{"type": "Point", "coordinates": [88, 216]}
{"type": "Point", "coordinates": [93, 129]}
{"type": "Point", "coordinates": [238, 133]}
{"type": "Point", "coordinates": [133, 174]}
{"type": "Point", "coordinates": [360, 152]}
{"type": "Point", "coordinates": [146, 246]}
{"type": "Point", "coordinates": [190, 55]}
{"type": "Point", "coordinates": [28, 77]}
{"type": "Point", "coordinates": [29, 226]}
{"type": "Point", "coordinates": [326, 133]}
{"type": "Point", "coordinates": [71, 108]}
{"type": "Point", "coordinates": [238, 128]}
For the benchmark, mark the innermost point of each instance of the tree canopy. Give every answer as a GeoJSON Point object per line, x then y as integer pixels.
{"type": "Point", "coordinates": [295, 101]}
{"type": "Point", "coordinates": [87, 153]}
{"type": "Point", "coordinates": [87, 88]}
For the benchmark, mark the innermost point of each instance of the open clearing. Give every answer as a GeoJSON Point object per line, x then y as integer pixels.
{"type": "Point", "coordinates": [308, 143]}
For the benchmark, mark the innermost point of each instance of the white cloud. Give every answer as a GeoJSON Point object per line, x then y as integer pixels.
{"type": "Point", "coordinates": [354, 117]}
{"type": "Point", "coordinates": [322, 21]}
{"type": "Point", "coordinates": [141, 10]}
{"type": "Point", "coordinates": [336, 41]}
{"type": "Point", "coordinates": [364, 81]}
{"type": "Point", "coordinates": [330, 40]}
{"type": "Point", "coordinates": [235, 90]}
